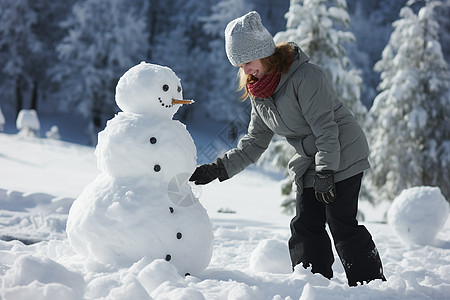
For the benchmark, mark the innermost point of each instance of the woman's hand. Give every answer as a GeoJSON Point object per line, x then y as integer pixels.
{"type": "Point", "coordinates": [204, 174]}
{"type": "Point", "coordinates": [324, 187]}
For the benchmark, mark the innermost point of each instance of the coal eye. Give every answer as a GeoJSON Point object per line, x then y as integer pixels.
{"type": "Point", "coordinates": [179, 89]}
{"type": "Point", "coordinates": [165, 88]}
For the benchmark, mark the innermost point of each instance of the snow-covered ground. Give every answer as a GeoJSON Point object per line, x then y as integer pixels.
{"type": "Point", "coordinates": [40, 178]}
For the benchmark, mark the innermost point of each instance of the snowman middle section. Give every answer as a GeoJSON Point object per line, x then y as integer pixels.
{"type": "Point", "coordinates": [141, 204]}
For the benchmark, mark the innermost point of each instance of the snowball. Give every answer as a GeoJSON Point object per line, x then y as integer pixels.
{"type": "Point", "coordinates": [149, 89]}
{"type": "Point", "coordinates": [271, 256]}
{"type": "Point", "coordinates": [118, 223]}
{"type": "Point", "coordinates": [418, 214]}
{"type": "Point", "coordinates": [133, 146]}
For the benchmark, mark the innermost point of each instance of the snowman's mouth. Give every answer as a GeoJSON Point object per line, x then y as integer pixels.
{"type": "Point", "coordinates": [164, 104]}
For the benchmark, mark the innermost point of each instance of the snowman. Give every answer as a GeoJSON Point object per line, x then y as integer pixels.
{"type": "Point", "coordinates": [142, 204]}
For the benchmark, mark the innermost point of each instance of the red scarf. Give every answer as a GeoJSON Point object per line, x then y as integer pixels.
{"type": "Point", "coordinates": [264, 87]}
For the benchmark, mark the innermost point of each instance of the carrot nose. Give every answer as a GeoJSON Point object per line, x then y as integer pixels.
{"type": "Point", "coordinates": [176, 101]}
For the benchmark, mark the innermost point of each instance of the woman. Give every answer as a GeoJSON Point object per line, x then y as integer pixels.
{"type": "Point", "coordinates": [293, 98]}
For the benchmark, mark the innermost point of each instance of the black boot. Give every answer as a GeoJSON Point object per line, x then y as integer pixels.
{"type": "Point", "coordinates": [315, 252]}
{"type": "Point", "coordinates": [361, 261]}
{"type": "Point", "coordinates": [353, 242]}
{"type": "Point", "coordinates": [310, 244]}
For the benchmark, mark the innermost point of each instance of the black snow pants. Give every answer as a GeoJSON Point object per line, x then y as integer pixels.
{"type": "Point", "coordinates": [310, 244]}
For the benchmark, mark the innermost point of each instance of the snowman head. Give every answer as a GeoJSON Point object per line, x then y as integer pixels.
{"type": "Point", "coordinates": [150, 89]}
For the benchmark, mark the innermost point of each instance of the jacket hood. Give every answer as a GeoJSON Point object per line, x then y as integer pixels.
{"type": "Point", "coordinates": [300, 58]}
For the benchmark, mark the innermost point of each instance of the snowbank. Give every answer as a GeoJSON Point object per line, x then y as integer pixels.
{"type": "Point", "coordinates": [249, 244]}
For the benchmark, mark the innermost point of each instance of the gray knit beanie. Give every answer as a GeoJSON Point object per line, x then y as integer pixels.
{"type": "Point", "coordinates": [246, 39]}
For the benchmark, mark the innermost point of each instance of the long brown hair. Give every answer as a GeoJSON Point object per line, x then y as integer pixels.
{"type": "Point", "coordinates": [278, 63]}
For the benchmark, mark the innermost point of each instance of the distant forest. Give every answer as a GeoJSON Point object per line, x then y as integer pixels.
{"type": "Point", "coordinates": [67, 56]}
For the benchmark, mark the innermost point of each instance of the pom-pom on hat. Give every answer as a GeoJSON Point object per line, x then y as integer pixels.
{"type": "Point", "coordinates": [246, 39]}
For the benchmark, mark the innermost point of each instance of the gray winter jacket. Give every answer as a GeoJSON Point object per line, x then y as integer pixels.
{"type": "Point", "coordinates": [305, 109]}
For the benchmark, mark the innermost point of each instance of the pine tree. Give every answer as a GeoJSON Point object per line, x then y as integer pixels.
{"type": "Point", "coordinates": [104, 39]}
{"type": "Point", "coordinates": [411, 136]}
{"type": "Point", "coordinates": [222, 93]}
{"type": "Point", "coordinates": [372, 25]}
{"type": "Point", "coordinates": [442, 11]}
{"type": "Point", "coordinates": [18, 47]}
{"type": "Point", "coordinates": [49, 33]}
{"type": "Point", "coordinates": [317, 27]}
{"type": "Point", "coordinates": [180, 44]}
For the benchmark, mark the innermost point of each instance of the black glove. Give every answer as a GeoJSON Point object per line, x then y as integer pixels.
{"type": "Point", "coordinates": [324, 187]}
{"type": "Point", "coordinates": [206, 173]}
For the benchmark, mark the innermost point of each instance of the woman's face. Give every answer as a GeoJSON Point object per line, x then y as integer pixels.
{"type": "Point", "coordinates": [254, 68]}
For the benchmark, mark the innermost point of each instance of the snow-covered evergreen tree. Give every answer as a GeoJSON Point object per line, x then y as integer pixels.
{"type": "Point", "coordinates": [372, 25]}
{"type": "Point", "coordinates": [49, 33]}
{"type": "Point", "coordinates": [411, 137]}
{"type": "Point", "coordinates": [222, 94]}
{"type": "Point", "coordinates": [18, 45]}
{"type": "Point", "coordinates": [179, 42]}
{"type": "Point", "coordinates": [442, 11]}
{"type": "Point", "coordinates": [105, 38]}
{"type": "Point", "coordinates": [318, 27]}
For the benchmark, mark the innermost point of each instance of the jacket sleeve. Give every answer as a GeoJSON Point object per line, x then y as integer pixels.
{"type": "Point", "coordinates": [317, 101]}
{"type": "Point", "coordinates": [250, 147]}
